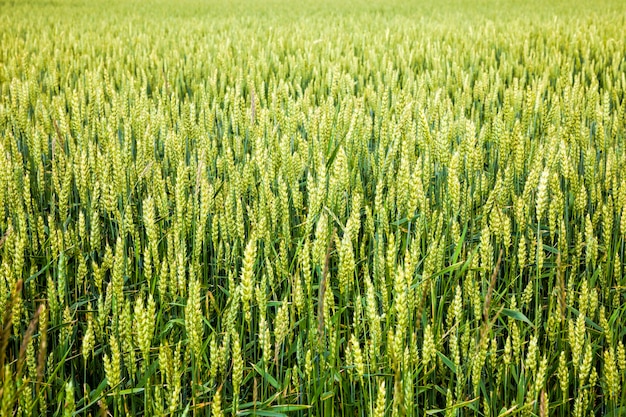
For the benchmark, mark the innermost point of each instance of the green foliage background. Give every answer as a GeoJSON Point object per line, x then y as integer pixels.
{"type": "Point", "coordinates": [312, 208]}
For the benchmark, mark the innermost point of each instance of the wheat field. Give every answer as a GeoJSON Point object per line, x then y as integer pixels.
{"type": "Point", "coordinates": [270, 208]}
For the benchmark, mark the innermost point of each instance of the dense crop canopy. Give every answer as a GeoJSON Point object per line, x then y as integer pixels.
{"type": "Point", "coordinates": [367, 208]}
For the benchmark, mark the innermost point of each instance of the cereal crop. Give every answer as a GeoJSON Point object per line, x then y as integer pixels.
{"type": "Point", "coordinates": [360, 208]}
